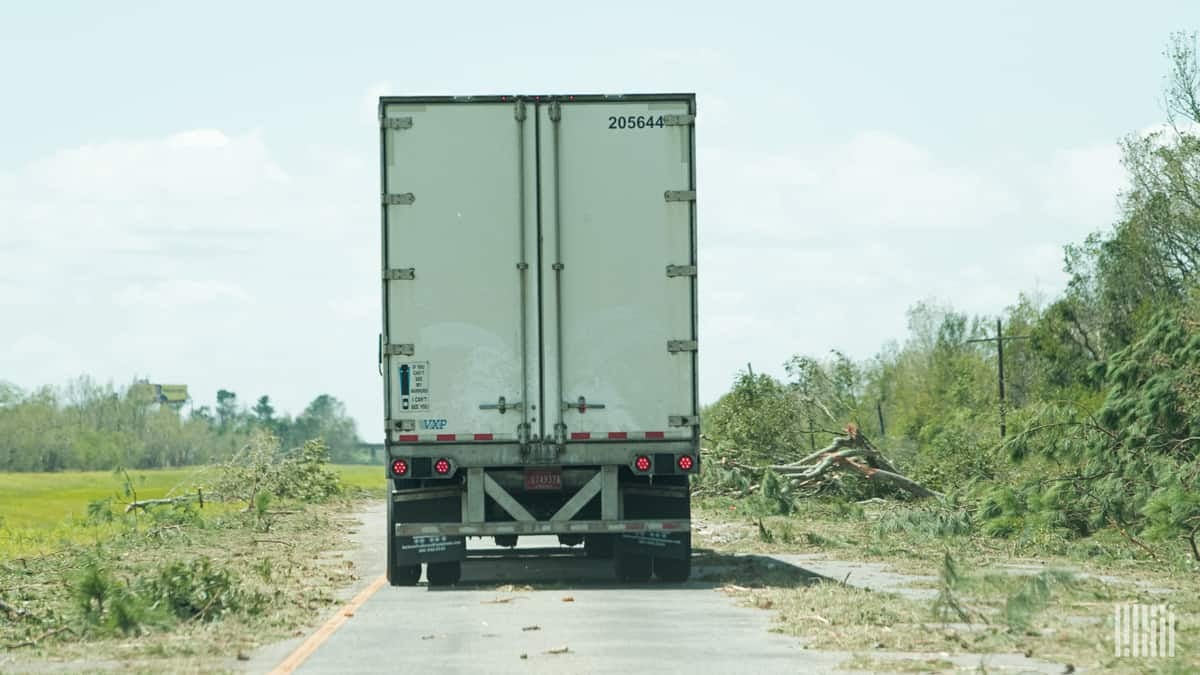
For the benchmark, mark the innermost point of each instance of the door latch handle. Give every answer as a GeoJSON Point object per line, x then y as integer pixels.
{"type": "Point", "coordinates": [582, 405]}
{"type": "Point", "coordinates": [501, 405]}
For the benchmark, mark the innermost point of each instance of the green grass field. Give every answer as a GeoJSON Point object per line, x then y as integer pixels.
{"type": "Point", "coordinates": [42, 511]}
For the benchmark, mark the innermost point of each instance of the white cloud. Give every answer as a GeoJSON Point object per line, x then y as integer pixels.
{"type": "Point", "coordinates": [180, 293]}
{"type": "Point", "coordinates": [195, 165]}
{"type": "Point", "coordinates": [872, 185]}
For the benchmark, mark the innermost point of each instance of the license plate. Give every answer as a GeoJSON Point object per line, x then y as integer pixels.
{"type": "Point", "coordinates": [543, 479]}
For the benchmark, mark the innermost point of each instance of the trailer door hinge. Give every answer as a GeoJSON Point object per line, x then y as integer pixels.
{"type": "Point", "coordinates": [519, 111]}
{"type": "Point", "coordinates": [681, 270]}
{"type": "Point", "coordinates": [679, 120]}
{"type": "Point", "coordinates": [555, 111]}
{"type": "Point", "coordinates": [399, 350]}
{"type": "Point", "coordinates": [404, 274]}
{"type": "Point", "coordinates": [403, 199]}
{"type": "Point", "coordinates": [683, 420]}
{"type": "Point", "coordinates": [682, 346]}
{"type": "Point", "coordinates": [681, 195]}
{"type": "Point", "coordinates": [400, 123]}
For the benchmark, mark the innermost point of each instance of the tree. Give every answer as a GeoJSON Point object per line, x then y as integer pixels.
{"type": "Point", "coordinates": [325, 418]}
{"type": "Point", "coordinates": [264, 411]}
{"type": "Point", "coordinates": [227, 410]}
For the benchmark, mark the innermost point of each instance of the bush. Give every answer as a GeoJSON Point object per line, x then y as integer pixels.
{"type": "Point", "coordinates": [196, 590]}
{"type": "Point", "coordinates": [263, 467]}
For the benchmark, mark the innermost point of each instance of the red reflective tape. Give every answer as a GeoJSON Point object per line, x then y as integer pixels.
{"type": "Point", "coordinates": [654, 434]}
{"type": "Point", "coordinates": [407, 438]}
{"type": "Point", "coordinates": [580, 435]}
{"type": "Point", "coordinates": [618, 435]}
{"type": "Point", "coordinates": [483, 437]}
{"type": "Point", "coordinates": [447, 437]}
{"type": "Point", "coordinates": [669, 526]}
{"type": "Point", "coordinates": [633, 526]}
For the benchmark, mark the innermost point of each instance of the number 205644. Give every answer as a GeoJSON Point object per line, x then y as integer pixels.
{"type": "Point", "coordinates": [635, 122]}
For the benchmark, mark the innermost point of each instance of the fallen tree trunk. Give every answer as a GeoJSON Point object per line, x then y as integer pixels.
{"type": "Point", "coordinates": [147, 503]}
{"type": "Point", "coordinates": [852, 453]}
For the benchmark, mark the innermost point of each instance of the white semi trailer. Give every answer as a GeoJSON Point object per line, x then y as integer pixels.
{"type": "Point", "coordinates": [539, 343]}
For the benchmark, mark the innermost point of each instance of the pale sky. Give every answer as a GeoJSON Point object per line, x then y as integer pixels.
{"type": "Point", "coordinates": [189, 192]}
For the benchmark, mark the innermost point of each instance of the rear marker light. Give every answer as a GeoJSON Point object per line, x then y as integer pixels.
{"type": "Point", "coordinates": [686, 462]}
{"type": "Point", "coordinates": [642, 463]}
{"type": "Point", "coordinates": [442, 467]}
{"type": "Point", "coordinates": [399, 467]}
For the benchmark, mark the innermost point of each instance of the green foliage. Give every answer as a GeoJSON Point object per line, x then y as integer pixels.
{"type": "Point", "coordinates": [264, 467]}
{"type": "Point", "coordinates": [757, 422]}
{"type": "Point", "coordinates": [1032, 597]}
{"type": "Point", "coordinates": [107, 605]}
{"type": "Point", "coordinates": [936, 521]}
{"type": "Point", "coordinates": [197, 590]}
{"type": "Point", "coordinates": [947, 606]}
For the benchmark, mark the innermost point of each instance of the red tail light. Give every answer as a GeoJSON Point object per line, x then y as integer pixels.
{"type": "Point", "coordinates": [399, 467]}
{"type": "Point", "coordinates": [442, 467]}
{"type": "Point", "coordinates": [642, 463]}
{"type": "Point", "coordinates": [686, 462]}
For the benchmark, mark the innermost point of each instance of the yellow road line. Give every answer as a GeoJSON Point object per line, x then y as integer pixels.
{"type": "Point", "coordinates": [314, 641]}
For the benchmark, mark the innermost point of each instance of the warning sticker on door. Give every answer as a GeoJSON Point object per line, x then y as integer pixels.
{"type": "Point", "coordinates": [414, 385]}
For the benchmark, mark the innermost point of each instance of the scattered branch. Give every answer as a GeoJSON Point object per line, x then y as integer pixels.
{"type": "Point", "coordinates": [32, 642]}
{"type": "Point", "coordinates": [147, 503]}
{"type": "Point", "coordinates": [12, 610]}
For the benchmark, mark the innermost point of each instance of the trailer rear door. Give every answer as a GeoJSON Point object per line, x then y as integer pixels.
{"type": "Point", "coordinates": [618, 269]}
{"type": "Point", "coordinates": [457, 286]}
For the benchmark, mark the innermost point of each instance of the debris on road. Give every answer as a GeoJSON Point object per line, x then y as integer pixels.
{"type": "Point", "coordinates": [498, 601]}
{"type": "Point", "coordinates": [559, 650]}
{"type": "Point", "coordinates": [529, 628]}
{"type": "Point", "coordinates": [569, 598]}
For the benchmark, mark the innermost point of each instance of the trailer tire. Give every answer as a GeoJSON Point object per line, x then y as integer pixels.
{"type": "Point", "coordinates": [632, 567]}
{"type": "Point", "coordinates": [673, 570]}
{"type": "Point", "coordinates": [443, 573]}
{"type": "Point", "coordinates": [404, 575]}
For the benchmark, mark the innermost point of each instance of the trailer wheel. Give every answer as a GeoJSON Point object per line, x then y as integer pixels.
{"type": "Point", "coordinates": [634, 567]}
{"type": "Point", "coordinates": [404, 575]}
{"type": "Point", "coordinates": [673, 570]}
{"type": "Point", "coordinates": [598, 546]}
{"type": "Point", "coordinates": [443, 573]}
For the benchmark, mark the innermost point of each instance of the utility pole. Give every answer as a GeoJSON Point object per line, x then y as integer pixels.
{"type": "Point", "coordinates": [999, 340]}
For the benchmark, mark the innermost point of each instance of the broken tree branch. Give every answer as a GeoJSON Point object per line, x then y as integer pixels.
{"type": "Point", "coordinates": [13, 610]}
{"type": "Point", "coordinates": [147, 503]}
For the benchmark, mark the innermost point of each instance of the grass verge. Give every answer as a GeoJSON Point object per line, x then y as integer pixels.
{"type": "Point", "coordinates": [1047, 599]}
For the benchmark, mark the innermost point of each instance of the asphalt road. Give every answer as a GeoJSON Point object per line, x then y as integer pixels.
{"type": "Point", "coordinates": [576, 619]}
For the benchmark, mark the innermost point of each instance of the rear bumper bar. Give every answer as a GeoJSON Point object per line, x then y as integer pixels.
{"type": "Point", "coordinates": [541, 527]}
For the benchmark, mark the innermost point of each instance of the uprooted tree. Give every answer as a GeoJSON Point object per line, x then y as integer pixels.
{"type": "Point", "coordinates": [854, 453]}
{"type": "Point", "coordinates": [850, 453]}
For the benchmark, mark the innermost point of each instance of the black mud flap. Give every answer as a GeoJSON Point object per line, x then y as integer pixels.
{"type": "Point", "coordinates": [658, 544]}
{"type": "Point", "coordinates": [430, 549]}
